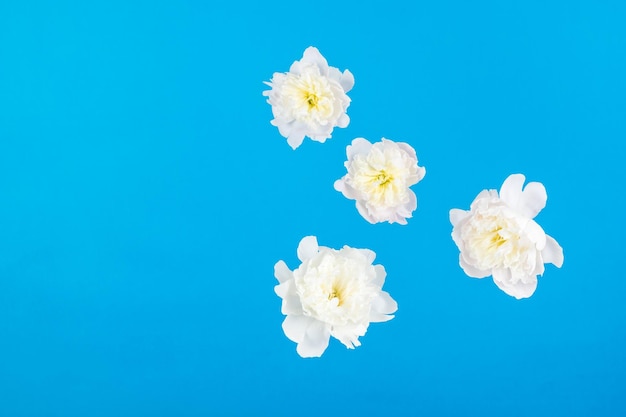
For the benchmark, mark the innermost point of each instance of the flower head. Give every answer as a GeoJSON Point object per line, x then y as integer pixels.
{"type": "Point", "coordinates": [310, 99]}
{"type": "Point", "coordinates": [332, 293]}
{"type": "Point", "coordinates": [499, 237]}
{"type": "Point", "coordinates": [379, 177]}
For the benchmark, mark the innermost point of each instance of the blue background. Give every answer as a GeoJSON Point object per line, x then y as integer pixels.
{"type": "Point", "coordinates": [145, 199]}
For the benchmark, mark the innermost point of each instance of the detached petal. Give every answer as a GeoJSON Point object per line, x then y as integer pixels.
{"type": "Point", "coordinates": [307, 248]}
{"type": "Point", "coordinates": [315, 340]}
{"type": "Point", "coordinates": [553, 252]}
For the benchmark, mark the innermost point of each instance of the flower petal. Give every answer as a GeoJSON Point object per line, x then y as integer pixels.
{"type": "Point", "coordinates": [312, 55]}
{"type": "Point", "coordinates": [381, 274]}
{"type": "Point", "coordinates": [364, 212]}
{"type": "Point", "coordinates": [282, 272]}
{"type": "Point", "coordinates": [532, 200]}
{"type": "Point", "coordinates": [511, 190]}
{"type": "Point", "coordinates": [344, 120]}
{"type": "Point", "coordinates": [295, 327]}
{"type": "Point", "coordinates": [358, 146]}
{"type": "Point", "coordinates": [470, 270]}
{"type": "Point", "coordinates": [347, 81]}
{"type": "Point", "coordinates": [307, 248]}
{"type": "Point", "coordinates": [349, 335]}
{"type": "Point", "coordinates": [294, 140]}
{"type": "Point", "coordinates": [518, 290]}
{"type": "Point", "coordinates": [291, 300]}
{"type": "Point", "coordinates": [552, 253]}
{"type": "Point", "coordinates": [536, 234]}
{"type": "Point", "coordinates": [527, 202]}
{"type": "Point", "coordinates": [315, 340]}
{"type": "Point", "coordinates": [456, 215]}
{"type": "Point", "coordinates": [382, 306]}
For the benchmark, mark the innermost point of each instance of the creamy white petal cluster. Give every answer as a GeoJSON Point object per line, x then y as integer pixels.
{"type": "Point", "coordinates": [310, 99]}
{"type": "Point", "coordinates": [332, 293]}
{"type": "Point", "coordinates": [499, 237]}
{"type": "Point", "coordinates": [379, 176]}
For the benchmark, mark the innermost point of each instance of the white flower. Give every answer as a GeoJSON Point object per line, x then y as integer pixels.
{"type": "Point", "coordinates": [499, 237]}
{"type": "Point", "coordinates": [332, 293]}
{"type": "Point", "coordinates": [310, 99]}
{"type": "Point", "coordinates": [379, 177]}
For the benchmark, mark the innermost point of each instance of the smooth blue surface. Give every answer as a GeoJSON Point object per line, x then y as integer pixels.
{"type": "Point", "coordinates": [145, 199]}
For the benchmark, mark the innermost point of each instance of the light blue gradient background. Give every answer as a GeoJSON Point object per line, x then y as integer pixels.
{"type": "Point", "coordinates": [145, 199]}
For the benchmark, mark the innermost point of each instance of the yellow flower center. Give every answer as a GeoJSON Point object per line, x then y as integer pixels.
{"type": "Point", "coordinates": [336, 292]}
{"type": "Point", "coordinates": [383, 178]}
{"type": "Point", "coordinates": [497, 239]}
{"type": "Point", "coordinates": [312, 99]}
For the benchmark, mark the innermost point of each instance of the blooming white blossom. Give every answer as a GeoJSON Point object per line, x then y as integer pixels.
{"type": "Point", "coordinates": [499, 237]}
{"type": "Point", "coordinates": [310, 99]}
{"type": "Point", "coordinates": [332, 293]}
{"type": "Point", "coordinates": [379, 176]}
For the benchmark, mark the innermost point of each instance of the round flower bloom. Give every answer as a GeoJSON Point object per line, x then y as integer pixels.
{"type": "Point", "coordinates": [499, 237]}
{"type": "Point", "coordinates": [332, 293]}
{"type": "Point", "coordinates": [310, 99]}
{"type": "Point", "coordinates": [379, 177]}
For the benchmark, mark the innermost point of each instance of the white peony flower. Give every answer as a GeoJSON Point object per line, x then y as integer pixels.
{"type": "Point", "coordinates": [310, 99]}
{"type": "Point", "coordinates": [499, 237]}
{"type": "Point", "coordinates": [379, 177]}
{"type": "Point", "coordinates": [332, 293]}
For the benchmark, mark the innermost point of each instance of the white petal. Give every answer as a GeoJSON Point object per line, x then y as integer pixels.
{"type": "Point", "coordinates": [358, 146]}
{"type": "Point", "coordinates": [406, 148]}
{"type": "Point", "coordinates": [345, 189]}
{"type": "Point", "coordinates": [369, 254]}
{"type": "Point", "coordinates": [532, 200]}
{"type": "Point", "coordinates": [364, 212]}
{"type": "Point", "coordinates": [315, 340]}
{"type": "Point", "coordinates": [312, 55]}
{"type": "Point", "coordinates": [291, 301]}
{"type": "Point", "coordinates": [346, 81]}
{"type": "Point", "coordinates": [381, 274]}
{"type": "Point", "coordinates": [456, 215]}
{"type": "Point", "coordinates": [282, 272]}
{"type": "Point", "coordinates": [349, 335]}
{"type": "Point", "coordinates": [511, 190]}
{"type": "Point", "coordinates": [294, 140]}
{"type": "Point", "coordinates": [382, 306]}
{"type": "Point", "coordinates": [472, 271]}
{"type": "Point", "coordinates": [484, 194]}
{"type": "Point", "coordinates": [536, 234]}
{"type": "Point", "coordinates": [518, 290]}
{"type": "Point", "coordinates": [412, 203]}
{"type": "Point", "coordinates": [344, 120]}
{"type": "Point", "coordinates": [295, 327]}
{"type": "Point", "coordinates": [307, 248]}
{"type": "Point", "coordinates": [553, 252]}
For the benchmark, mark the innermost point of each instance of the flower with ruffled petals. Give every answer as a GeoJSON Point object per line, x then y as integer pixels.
{"type": "Point", "coordinates": [332, 293]}
{"type": "Point", "coordinates": [309, 100]}
{"type": "Point", "coordinates": [499, 237]}
{"type": "Point", "coordinates": [379, 176]}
